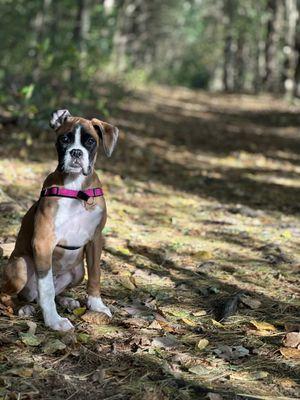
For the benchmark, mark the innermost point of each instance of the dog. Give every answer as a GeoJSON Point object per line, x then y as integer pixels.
{"type": "Point", "coordinates": [64, 226]}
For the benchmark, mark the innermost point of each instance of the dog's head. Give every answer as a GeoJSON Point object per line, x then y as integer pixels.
{"type": "Point", "coordinates": [78, 140]}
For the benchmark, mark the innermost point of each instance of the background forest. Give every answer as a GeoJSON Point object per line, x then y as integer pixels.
{"type": "Point", "coordinates": [50, 49]}
{"type": "Point", "coordinates": [201, 263]}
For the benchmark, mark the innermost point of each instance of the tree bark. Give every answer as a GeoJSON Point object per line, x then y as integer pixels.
{"type": "Point", "coordinates": [239, 75]}
{"type": "Point", "coordinates": [291, 17]}
{"type": "Point", "coordinates": [297, 55]}
{"type": "Point", "coordinates": [40, 24]}
{"type": "Point", "coordinates": [274, 25]}
{"type": "Point", "coordinates": [228, 70]}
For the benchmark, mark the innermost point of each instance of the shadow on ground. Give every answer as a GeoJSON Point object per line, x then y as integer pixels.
{"type": "Point", "coordinates": [203, 196]}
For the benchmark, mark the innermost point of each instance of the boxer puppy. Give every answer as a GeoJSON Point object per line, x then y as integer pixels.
{"type": "Point", "coordinates": [64, 226]}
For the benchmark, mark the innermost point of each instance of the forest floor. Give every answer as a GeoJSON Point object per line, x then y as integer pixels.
{"type": "Point", "coordinates": [202, 258]}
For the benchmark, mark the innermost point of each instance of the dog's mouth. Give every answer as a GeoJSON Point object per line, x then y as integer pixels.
{"type": "Point", "coordinates": [77, 166]}
{"type": "Point", "coordinates": [76, 163]}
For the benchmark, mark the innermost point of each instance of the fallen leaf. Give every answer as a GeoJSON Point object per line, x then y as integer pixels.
{"type": "Point", "coordinates": [79, 311]}
{"type": "Point", "coordinates": [136, 322]}
{"type": "Point", "coordinates": [250, 302]}
{"type": "Point", "coordinates": [6, 309]}
{"type": "Point", "coordinates": [231, 353]}
{"type": "Point", "coordinates": [292, 339]}
{"type": "Point", "coordinates": [286, 382]}
{"type": "Point", "coordinates": [53, 346]}
{"type": "Point", "coordinates": [94, 317]}
{"type": "Point", "coordinates": [178, 313]}
{"type": "Point", "coordinates": [289, 352]}
{"type": "Point", "coordinates": [217, 324]}
{"type": "Point", "coordinates": [7, 302]}
{"type": "Point", "coordinates": [32, 327]}
{"type": "Point", "coordinates": [203, 255]}
{"type": "Point", "coordinates": [98, 376]}
{"type": "Point", "coordinates": [258, 333]}
{"type": "Point", "coordinates": [214, 396]}
{"type": "Point", "coordinates": [138, 310]}
{"type": "Point", "coordinates": [200, 370]}
{"type": "Point", "coordinates": [189, 321]}
{"type": "Point", "coordinates": [199, 313]}
{"type": "Point", "coordinates": [30, 340]}
{"type": "Point", "coordinates": [169, 327]}
{"type": "Point", "coordinates": [165, 342]}
{"type": "Point", "coordinates": [154, 325]}
{"type": "Point", "coordinates": [83, 337]}
{"type": "Point", "coordinates": [248, 376]}
{"type": "Point", "coordinates": [263, 326]}
{"type": "Point", "coordinates": [202, 344]}
{"type": "Point", "coordinates": [260, 375]}
{"type": "Point", "coordinates": [127, 282]}
{"type": "Point", "coordinates": [7, 249]}
{"type": "Point", "coordinates": [22, 372]}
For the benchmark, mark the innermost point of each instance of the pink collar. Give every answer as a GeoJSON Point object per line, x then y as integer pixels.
{"type": "Point", "coordinates": [72, 194]}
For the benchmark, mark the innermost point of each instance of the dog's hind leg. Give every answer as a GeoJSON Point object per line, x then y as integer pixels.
{"type": "Point", "coordinates": [14, 276]}
{"type": "Point", "coordinates": [19, 279]}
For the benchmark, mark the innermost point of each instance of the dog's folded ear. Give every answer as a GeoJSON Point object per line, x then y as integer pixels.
{"type": "Point", "coordinates": [58, 117]}
{"type": "Point", "coordinates": [107, 133]}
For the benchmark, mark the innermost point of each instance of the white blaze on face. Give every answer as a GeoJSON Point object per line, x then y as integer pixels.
{"type": "Point", "coordinates": [84, 160]}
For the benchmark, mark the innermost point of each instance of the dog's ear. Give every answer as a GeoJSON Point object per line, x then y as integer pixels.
{"type": "Point", "coordinates": [107, 133]}
{"type": "Point", "coordinates": [58, 117]}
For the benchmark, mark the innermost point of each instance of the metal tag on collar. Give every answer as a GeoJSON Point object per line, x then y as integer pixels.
{"type": "Point", "coordinates": [82, 196]}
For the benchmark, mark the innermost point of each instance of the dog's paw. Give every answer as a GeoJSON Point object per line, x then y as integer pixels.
{"type": "Point", "coordinates": [67, 302]}
{"type": "Point", "coordinates": [96, 304]}
{"type": "Point", "coordinates": [26, 311]}
{"type": "Point", "coordinates": [60, 324]}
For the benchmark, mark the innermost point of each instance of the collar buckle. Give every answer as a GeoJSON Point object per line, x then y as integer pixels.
{"type": "Point", "coordinates": [82, 196]}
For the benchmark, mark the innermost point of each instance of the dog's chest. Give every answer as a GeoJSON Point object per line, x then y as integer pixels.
{"type": "Point", "coordinates": [74, 224]}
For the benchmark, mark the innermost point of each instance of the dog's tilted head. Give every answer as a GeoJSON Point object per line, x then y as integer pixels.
{"type": "Point", "coordinates": [78, 140]}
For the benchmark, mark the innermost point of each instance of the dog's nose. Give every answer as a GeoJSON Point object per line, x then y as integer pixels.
{"type": "Point", "coordinates": [76, 153]}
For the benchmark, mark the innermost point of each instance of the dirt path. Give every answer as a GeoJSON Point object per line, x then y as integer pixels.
{"type": "Point", "coordinates": [203, 197]}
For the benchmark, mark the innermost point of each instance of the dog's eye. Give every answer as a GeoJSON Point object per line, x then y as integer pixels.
{"type": "Point", "coordinates": [90, 141]}
{"type": "Point", "coordinates": [64, 139]}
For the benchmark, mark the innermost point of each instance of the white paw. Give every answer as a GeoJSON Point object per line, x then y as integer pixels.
{"type": "Point", "coordinates": [60, 324]}
{"type": "Point", "coordinates": [26, 311]}
{"type": "Point", "coordinates": [67, 302]}
{"type": "Point", "coordinates": [96, 304]}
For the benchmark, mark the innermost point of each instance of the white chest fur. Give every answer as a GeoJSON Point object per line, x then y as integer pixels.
{"type": "Point", "coordinates": [74, 224]}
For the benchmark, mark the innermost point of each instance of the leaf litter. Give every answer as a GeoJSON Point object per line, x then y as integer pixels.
{"type": "Point", "coordinates": [188, 230]}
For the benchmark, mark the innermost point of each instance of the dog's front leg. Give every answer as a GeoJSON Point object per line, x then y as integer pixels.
{"type": "Point", "coordinates": [42, 251]}
{"type": "Point", "coordinates": [93, 255]}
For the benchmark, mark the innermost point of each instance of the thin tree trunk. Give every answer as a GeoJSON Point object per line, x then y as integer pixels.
{"type": "Point", "coordinates": [82, 25]}
{"type": "Point", "coordinates": [291, 17]}
{"type": "Point", "coordinates": [297, 55]}
{"type": "Point", "coordinates": [80, 34]}
{"type": "Point", "coordinates": [239, 75]}
{"type": "Point", "coordinates": [40, 28]}
{"type": "Point", "coordinates": [272, 75]}
{"type": "Point", "coordinates": [228, 45]}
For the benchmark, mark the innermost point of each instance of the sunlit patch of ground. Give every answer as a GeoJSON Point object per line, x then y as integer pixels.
{"type": "Point", "coordinates": [203, 200]}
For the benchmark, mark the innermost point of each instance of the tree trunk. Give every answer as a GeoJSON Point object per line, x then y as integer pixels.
{"type": "Point", "coordinates": [297, 55]}
{"type": "Point", "coordinates": [40, 25]}
{"type": "Point", "coordinates": [291, 17]}
{"type": "Point", "coordinates": [274, 25]}
{"type": "Point", "coordinates": [228, 70]}
{"type": "Point", "coordinates": [82, 26]}
{"type": "Point", "coordinates": [239, 75]}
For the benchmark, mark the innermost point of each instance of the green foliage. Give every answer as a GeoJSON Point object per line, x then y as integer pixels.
{"type": "Point", "coordinates": [55, 53]}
